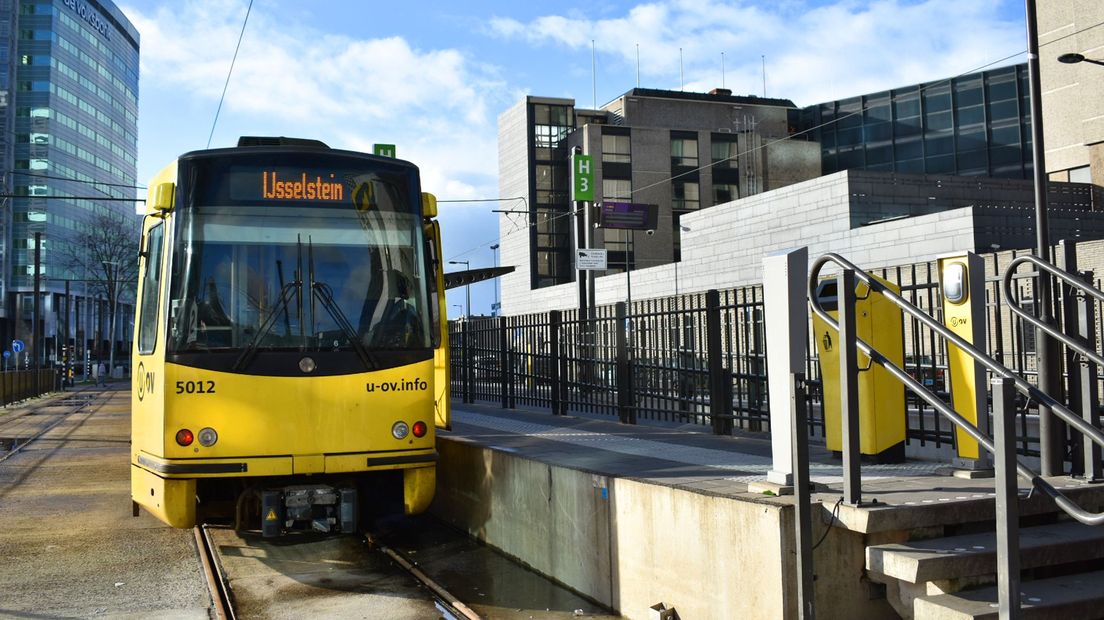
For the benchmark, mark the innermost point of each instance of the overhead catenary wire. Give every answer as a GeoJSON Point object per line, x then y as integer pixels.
{"type": "Point", "coordinates": [764, 145]}
{"type": "Point", "coordinates": [57, 178]}
{"type": "Point", "coordinates": [229, 73]}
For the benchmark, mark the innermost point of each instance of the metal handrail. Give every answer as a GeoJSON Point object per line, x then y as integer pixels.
{"type": "Point", "coordinates": [1076, 344]}
{"type": "Point", "coordinates": [1063, 502]}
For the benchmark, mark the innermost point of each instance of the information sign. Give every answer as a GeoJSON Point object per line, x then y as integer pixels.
{"type": "Point", "coordinates": [384, 150]}
{"type": "Point", "coordinates": [586, 260]}
{"type": "Point", "coordinates": [628, 216]}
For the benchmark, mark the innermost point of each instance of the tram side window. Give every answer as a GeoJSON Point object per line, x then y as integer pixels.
{"type": "Point", "coordinates": [151, 290]}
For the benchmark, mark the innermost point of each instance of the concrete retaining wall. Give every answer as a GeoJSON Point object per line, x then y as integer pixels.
{"type": "Point", "coordinates": [630, 544]}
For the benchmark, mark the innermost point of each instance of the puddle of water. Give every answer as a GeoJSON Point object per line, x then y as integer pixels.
{"type": "Point", "coordinates": [489, 582]}
{"type": "Point", "coordinates": [7, 444]}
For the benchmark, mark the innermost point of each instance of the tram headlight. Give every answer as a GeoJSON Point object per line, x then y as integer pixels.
{"type": "Point", "coordinates": [399, 430]}
{"type": "Point", "coordinates": [207, 437]}
{"type": "Point", "coordinates": [184, 437]}
{"type": "Point", "coordinates": [419, 429]}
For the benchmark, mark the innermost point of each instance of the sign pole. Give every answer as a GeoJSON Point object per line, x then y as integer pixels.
{"type": "Point", "coordinates": [582, 193]}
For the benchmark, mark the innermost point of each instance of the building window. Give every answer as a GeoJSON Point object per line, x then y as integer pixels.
{"type": "Point", "coordinates": [723, 193]}
{"type": "Point", "coordinates": [551, 124]}
{"type": "Point", "coordinates": [1080, 175]}
{"type": "Point", "coordinates": [684, 152]}
{"type": "Point", "coordinates": [615, 149]}
{"type": "Point", "coordinates": [725, 153]}
{"type": "Point", "coordinates": [685, 196]}
{"type": "Point", "coordinates": [617, 189]}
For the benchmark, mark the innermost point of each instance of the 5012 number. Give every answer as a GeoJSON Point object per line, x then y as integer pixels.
{"type": "Point", "coordinates": [195, 387]}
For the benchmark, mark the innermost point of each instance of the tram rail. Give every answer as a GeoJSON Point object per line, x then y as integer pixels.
{"type": "Point", "coordinates": [74, 403]}
{"type": "Point", "coordinates": [226, 606]}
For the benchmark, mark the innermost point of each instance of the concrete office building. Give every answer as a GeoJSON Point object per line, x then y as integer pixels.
{"type": "Point", "coordinates": [68, 135]}
{"type": "Point", "coordinates": [1073, 89]}
{"type": "Point", "coordinates": [717, 147]}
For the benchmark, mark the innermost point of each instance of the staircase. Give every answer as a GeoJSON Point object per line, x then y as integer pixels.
{"type": "Point", "coordinates": [941, 562]}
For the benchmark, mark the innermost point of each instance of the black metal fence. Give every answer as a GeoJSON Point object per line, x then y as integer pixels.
{"type": "Point", "coordinates": [17, 385]}
{"type": "Point", "coordinates": [701, 358]}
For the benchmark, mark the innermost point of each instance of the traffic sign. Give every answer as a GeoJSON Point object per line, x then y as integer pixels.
{"type": "Point", "coordinates": [590, 260]}
{"type": "Point", "coordinates": [18, 346]}
{"type": "Point", "coordinates": [7, 354]}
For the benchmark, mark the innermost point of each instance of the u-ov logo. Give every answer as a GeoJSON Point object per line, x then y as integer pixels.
{"type": "Point", "coordinates": [145, 381]}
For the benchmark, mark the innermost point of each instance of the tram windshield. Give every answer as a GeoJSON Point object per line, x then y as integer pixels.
{"type": "Point", "coordinates": [266, 274]}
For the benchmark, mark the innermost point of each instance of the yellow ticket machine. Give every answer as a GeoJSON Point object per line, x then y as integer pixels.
{"type": "Point", "coordinates": [881, 395]}
{"type": "Point", "coordinates": [962, 287]}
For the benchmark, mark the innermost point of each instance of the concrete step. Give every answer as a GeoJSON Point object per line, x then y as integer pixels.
{"type": "Point", "coordinates": [1071, 598]}
{"type": "Point", "coordinates": [954, 557]}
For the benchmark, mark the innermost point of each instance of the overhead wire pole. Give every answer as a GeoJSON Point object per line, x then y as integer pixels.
{"type": "Point", "coordinates": [1051, 430]}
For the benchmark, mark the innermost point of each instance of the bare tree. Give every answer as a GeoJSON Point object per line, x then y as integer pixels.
{"type": "Point", "coordinates": [105, 255]}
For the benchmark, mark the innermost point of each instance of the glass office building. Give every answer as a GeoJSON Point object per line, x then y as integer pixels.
{"type": "Point", "coordinates": [69, 117]}
{"type": "Point", "coordinates": [972, 125]}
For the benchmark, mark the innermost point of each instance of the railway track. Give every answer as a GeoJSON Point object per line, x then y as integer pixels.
{"type": "Point", "coordinates": [334, 576]}
{"type": "Point", "coordinates": [21, 428]}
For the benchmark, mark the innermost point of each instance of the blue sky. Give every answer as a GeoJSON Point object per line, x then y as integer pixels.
{"type": "Point", "coordinates": [432, 77]}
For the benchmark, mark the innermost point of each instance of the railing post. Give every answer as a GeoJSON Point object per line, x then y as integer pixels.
{"type": "Point", "coordinates": [803, 517]}
{"type": "Point", "coordinates": [1008, 499]}
{"type": "Point", "coordinates": [555, 320]}
{"type": "Point", "coordinates": [720, 399]}
{"type": "Point", "coordinates": [625, 410]}
{"type": "Point", "coordinates": [849, 388]}
{"type": "Point", "coordinates": [465, 356]}
{"type": "Point", "coordinates": [503, 361]}
{"type": "Point", "coordinates": [1088, 396]}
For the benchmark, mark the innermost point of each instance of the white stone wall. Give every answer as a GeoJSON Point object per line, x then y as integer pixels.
{"type": "Point", "coordinates": [725, 244]}
{"type": "Point", "coordinates": [513, 180]}
{"type": "Point", "coordinates": [1073, 95]}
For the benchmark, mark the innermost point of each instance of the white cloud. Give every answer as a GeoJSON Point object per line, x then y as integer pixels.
{"type": "Point", "coordinates": [437, 105]}
{"type": "Point", "coordinates": [812, 54]}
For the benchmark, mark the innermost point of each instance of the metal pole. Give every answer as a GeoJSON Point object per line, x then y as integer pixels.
{"type": "Point", "coordinates": [803, 519]}
{"type": "Point", "coordinates": [1008, 499]}
{"type": "Point", "coordinates": [497, 304]}
{"type": "Point", "coordinates": [37, 350]}
{"type": "Point", "coordinates": [849, 387]}
{"type": "Point", "coordinates": [1051, 440]}
{"type": "Point", "coordinates": [70, 349]}
{"type": "Point", "coordinates": [1089, 396]}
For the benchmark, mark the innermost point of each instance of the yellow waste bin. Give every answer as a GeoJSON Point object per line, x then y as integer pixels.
{"type": "Point", "coordinates": [881, 395]}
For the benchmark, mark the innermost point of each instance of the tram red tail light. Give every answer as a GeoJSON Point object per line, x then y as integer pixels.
{"type": "Point", "coordinates": [419, 429]}
{"type": "Point", "coordinates": [184, 437]}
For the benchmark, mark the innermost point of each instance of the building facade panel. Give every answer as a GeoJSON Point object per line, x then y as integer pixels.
{"type": "Point", "coordinates": [70, 137]}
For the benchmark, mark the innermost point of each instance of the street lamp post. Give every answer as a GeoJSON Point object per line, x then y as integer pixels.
{"type": "Point", "coordinates": [112, 271]}
{"type": "Point", "coordinates": [679, 259]}
{"type": "Point", "coordinates": [1074, 58]}
{"type": "Point", "coordinates": [467, 287]}
{"type": "Point", "coordinates": [1051, 429]}
{"type": "Point", "coordinates": [497, 304]}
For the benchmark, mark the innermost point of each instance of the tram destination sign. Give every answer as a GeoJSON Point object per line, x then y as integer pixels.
{"type": "Point", "coordinates": [628, 215]}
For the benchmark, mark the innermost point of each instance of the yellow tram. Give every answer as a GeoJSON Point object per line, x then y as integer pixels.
{"type": "Point", "coordinates": [290, 349]}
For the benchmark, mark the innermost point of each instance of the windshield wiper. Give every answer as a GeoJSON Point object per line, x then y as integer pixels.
{"type": "Point", "coordinates": [254, 343]}
{"type": "Point", "coordinates": [324, 293]}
